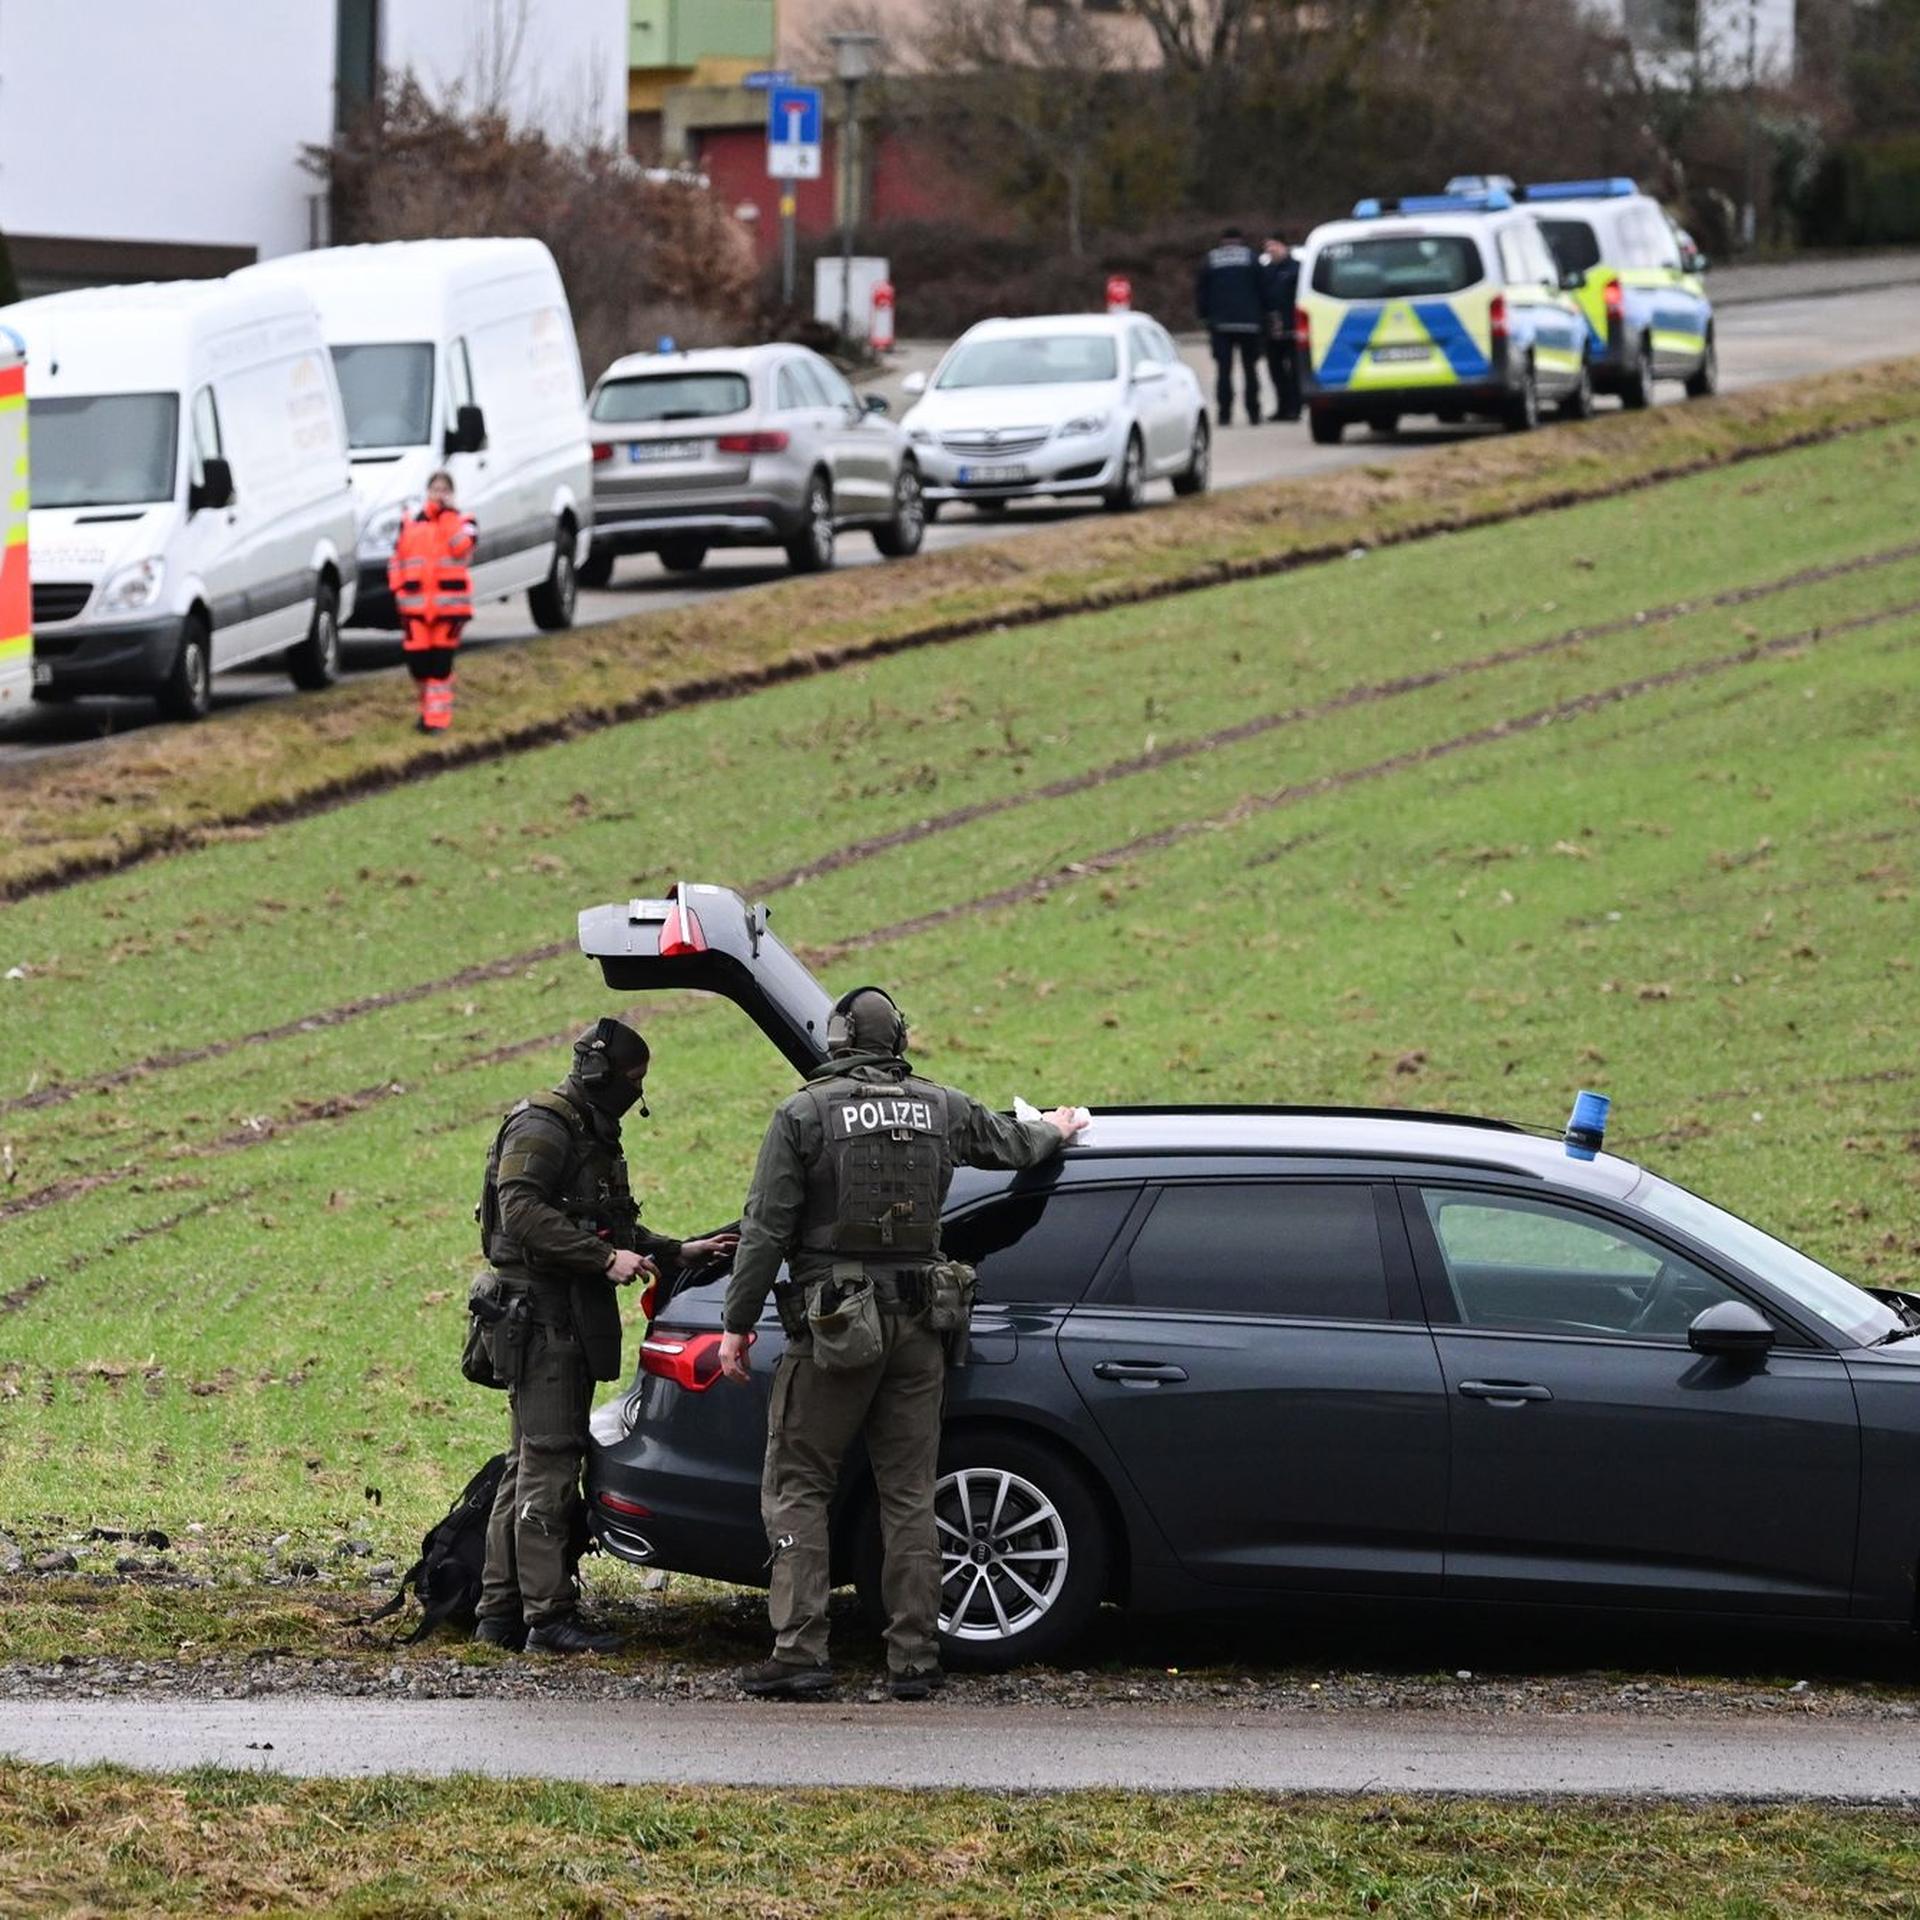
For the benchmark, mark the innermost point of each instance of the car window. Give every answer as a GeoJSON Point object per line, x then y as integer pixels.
{"type": "Point", "coordinates": [1163, 345]}
{"type": "Point", "coordinates": [1574, 244]}
{"type": "Point", "coordinates": [459, 381]}
{"type": "Point", "coordinates": [1141, 342]}
{"type": "Point", "coordinates": [1396, 266]}
{"type": "Point", "coordinates": [206, 443]}
{"type": "Point", "coordinates": [836, 391]}
{"type": "Point", "coordinates": [1540, 255]}
{"type": "Point", "coordinates": [671, 396]}
{"type": "Point", "coordinates": [1282, 1249]}
{"type": "Point", "coordinates": [808, 373]}
{"type": "Point", "coordinates": [1040, 1247]}
{"type": "Point", "coordinates": [1533, 1267]}
{"type": "Point", "coordinates": [1030, 360]}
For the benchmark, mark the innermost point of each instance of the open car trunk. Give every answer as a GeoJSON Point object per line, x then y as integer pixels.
{"type": "Point", "coordinates": [708, 940]}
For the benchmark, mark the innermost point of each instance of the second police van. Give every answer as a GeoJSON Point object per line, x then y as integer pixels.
{"type": "Point", "coordinates": [1449, 304]}
{"type": "Point", "coordinates": [1648, 316]}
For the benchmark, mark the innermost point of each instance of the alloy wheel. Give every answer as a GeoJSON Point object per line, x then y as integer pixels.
{"type": "Point", "coordinates": [1003, 1553]}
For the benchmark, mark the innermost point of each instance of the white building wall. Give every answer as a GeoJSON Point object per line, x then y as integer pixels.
{"type": "Point", "coordinates": [559, 65]}
{"type": "Point", "coordinates": [130, 120]}
{"type": "Point", "coordinates": [1727, 30]}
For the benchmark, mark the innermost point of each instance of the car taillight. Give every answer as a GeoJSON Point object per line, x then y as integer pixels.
{"type": "Point", "coordinates": [772, 442]}
{"type": "Point", "coordinates": [680, 931]}
{"type": "Point", "coordinates": [602, 451]}
{"type": "Point", "coordinates": [1302, 330]}
{"type": "Point", "coordinates": [690, 1360]}
{"type": "Point", "coordinates": [1497, 319]}
{"type": "Point", "coordinates": [1615, 295]}
{"type": "Point", "coordinates": [649, 1299]}
{"type": "Point", "coordinates": [619, 1503]}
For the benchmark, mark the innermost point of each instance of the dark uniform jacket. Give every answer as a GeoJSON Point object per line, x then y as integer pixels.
{"type": "Point", "coordinates": [1228, 294]}
{"type": "Point", "coordinates": [563, 1204]}
{"type": "Point", "coordinates": [1280, 287]}
{"type": "Point", "coordinates": [792, 1182]}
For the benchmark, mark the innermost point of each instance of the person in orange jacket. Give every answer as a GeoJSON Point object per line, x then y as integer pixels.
{"type": "Point", "coordinates": [433, 594]}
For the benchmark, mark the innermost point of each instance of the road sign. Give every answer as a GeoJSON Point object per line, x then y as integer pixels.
{"type": "Point", "coordinates": [793, 133]}
{"type": "Point", "coordinates": [766, 78]}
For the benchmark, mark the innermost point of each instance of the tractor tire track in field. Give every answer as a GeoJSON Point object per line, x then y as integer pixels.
{"type": "Point", "coordinates": [868, 848]}
{"type": "Point", "coordinates": [1035, 887]}
{"type": "Point", "coordinates": [737, 683]}
{"type": "Point", "coordinates": [1039, 885]}
{"type": "Point", "coordinates": [1346, 700]}
{"type": "Point", "coordinates": [37, 1283]}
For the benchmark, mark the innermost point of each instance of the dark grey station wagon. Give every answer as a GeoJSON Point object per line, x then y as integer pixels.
{"type": "Point", "coordinates": [1241, 1355]}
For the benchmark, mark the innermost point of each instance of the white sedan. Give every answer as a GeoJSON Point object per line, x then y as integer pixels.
{"type": "Point", "coordinates": [1071, 404]}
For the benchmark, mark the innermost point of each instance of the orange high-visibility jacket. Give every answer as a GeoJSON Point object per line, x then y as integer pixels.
{"type": "Point", "coordinates": [428, 572]}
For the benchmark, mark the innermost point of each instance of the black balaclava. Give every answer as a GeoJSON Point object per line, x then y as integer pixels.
{"type": "Point", "coordinates": [603, 1058]}
{"type": "Point", "coordinates": [866, 1021]}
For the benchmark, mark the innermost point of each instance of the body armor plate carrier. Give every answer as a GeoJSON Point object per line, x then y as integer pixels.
{"type": "Point", "coordinates": [595, 1193]}
{"type": "Point", "coordinates": [887, 1150]}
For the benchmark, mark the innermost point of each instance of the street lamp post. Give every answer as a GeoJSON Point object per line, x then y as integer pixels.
{"type": "Point", "coordinates": [852, 62]}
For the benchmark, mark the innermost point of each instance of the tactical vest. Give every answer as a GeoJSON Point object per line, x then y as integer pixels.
{"type": "Point", "coordinates": [890, 1164]}
{"type": "Point", "coordinates": [595, 1193]}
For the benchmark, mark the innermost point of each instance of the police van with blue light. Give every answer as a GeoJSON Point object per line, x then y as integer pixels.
{"type": "Point", "coordinates": [1448, 304]}
{"type": "Point", "coordinates": [1647, 312]}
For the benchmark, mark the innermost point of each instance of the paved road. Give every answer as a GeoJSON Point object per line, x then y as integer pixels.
{"type": "Point", "coordinates": [1761, 341]}
{"type": "Point", "coordinates": [1166, 1749]}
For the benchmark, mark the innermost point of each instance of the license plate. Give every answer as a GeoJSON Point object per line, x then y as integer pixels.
{"type": "Point", "coordinates": [1001, 476]}
{"type": "Point", "coordinates": [641, 452]}
{"type": "Point", "coordinates": [43, 673]}
{"type": "Point", "coordinates": [1403, 353]}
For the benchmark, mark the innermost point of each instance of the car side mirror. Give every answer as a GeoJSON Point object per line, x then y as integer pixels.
{"type": "Point", "coordinates": [1148, 371]}
{"type": "Point", "coordinates": [876, 403]}
{"type": "Point", "coordinates": [214, 488]}
{"type": "Point", "coordinates": [1733, 1330]}
{"type": "Point", "coordinates": [469, 431]}
{"type": "Point", "coordinates": [1694, 261]}
{"type": "Point", "coordinates": [914, 383]}
{"type": "Point", "coordinates": [1573, 280]}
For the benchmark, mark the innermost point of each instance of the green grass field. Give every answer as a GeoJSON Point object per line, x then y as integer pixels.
{"type": "Point", "coordinates": [104, 1842]}
{"type": "Point", "coordinates": [1623, 796]}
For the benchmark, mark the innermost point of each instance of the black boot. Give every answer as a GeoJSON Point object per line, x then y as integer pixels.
{"type": "Point", "coordinates": [506, 1630]}
{"type": "Point", "coordinates": [916, 1683]}
{"type": "Point", "coordinates": [782, 1680]}
{"type": "Point", "coordinates": [568, 1635]}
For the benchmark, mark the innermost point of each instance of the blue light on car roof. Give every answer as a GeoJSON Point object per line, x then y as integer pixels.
{"type": "Point", "coordinates": [1587, 1125]}
{"type": "Point", "coordinates": [1366, 209]}
{"type": "Point", "coordinates": [1615, 189]}
{"type": "Point", "coordinates": [1494, 200]}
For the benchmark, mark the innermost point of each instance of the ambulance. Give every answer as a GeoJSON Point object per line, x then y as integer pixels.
{"type": "Point", "coordinates": [16, 600]}
{"type": "Point", "coordinates": [1647, 313]}
{"type": "Point", "coordinates": [1446, 304]}
{"type": "Point", "coordinates": [190, 507]}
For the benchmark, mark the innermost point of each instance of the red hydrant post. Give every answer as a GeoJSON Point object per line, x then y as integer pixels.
{"type": "Point", "coordinates": [1119, 293]}
{"type": "Point", "coordinates": [880, 325]}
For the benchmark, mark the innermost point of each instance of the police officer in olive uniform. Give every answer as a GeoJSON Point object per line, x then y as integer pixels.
{"type": "Point", "coordinates": [561, 1229]}
{"type": "Point", "coordinates": [848, 1191]}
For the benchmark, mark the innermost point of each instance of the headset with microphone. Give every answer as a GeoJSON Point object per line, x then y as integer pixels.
{"type": "Point", "coordinates": [593, 1058]}
{"type": "Point", "coordinates": [840, 1034]}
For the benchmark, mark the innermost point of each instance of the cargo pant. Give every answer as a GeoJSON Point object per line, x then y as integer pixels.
{"type": "Point", "coordinates": [527, 1534]}
{"type": "Point", "coordinates": [812, 1418]}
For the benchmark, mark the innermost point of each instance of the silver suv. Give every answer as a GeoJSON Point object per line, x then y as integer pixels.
{"type": "Point", "coordinates": [743, 447]}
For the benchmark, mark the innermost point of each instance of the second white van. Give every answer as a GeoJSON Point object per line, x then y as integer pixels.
{"type": "Point", "coordinates": [459, 354]}
{"type": "Point", "coordinates": [190, 502]}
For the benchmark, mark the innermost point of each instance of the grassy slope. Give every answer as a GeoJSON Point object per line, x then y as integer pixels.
{"type": "Point", "coordinates": [99, 1841]}
{"type": "Point", "coordinates": [1698, 895]}
{"type": "Point", "coordinates": [156, 788]}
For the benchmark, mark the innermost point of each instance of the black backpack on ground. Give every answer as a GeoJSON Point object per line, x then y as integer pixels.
{"type": "Point", "coordinates": [453, 1559]}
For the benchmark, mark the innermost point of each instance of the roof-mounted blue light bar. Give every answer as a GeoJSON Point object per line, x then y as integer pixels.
{"type": "Point", "coordinates": [1587, 1125]}
{"type": "Point", "coordinates": [1617, 188]}
{"type": "Point", "coordinates": [1495, 200]}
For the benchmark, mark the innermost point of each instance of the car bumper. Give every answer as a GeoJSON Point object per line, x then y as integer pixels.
{"type": "Point", "coordinates": [132, 656]}
{"type": "Point", "coordinates": [741, 523]}
{"type": "Point", "coordinates": [1382, 403]}
{"type": "Point", "coordinates": [1084, 465]}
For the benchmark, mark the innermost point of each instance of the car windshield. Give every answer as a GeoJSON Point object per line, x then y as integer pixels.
{"type": "Point", "coordinates": [1396, 266]}
{"type": "Point", "coordinates": [1848, 1309]}
{"type": "Point", "coordinates": [1575, 245]}
{"type": "Point", "coordinates": [387, 391]}
{"type": "Point", "coordinates": [671, 396]}
{"type": "Point", "coordinates": [1030, 360]}
{"type": "Point", "coordinates": [103, 449]}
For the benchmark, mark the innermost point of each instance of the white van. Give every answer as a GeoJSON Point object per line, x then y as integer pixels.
{"type": "Point", "coordinates": [459, 354]}
{"type": "Point", "coordinates": [191, 507]}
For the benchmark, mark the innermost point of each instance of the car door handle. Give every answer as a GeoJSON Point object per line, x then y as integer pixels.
{"type": "Point", "coordinates": [1504, 1393]}
{"type": "Point", "coordinates": [1147, 1373]}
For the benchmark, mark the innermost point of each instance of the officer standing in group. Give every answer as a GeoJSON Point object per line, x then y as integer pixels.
{"type": "Point", "coordinates": [1230, 297]}
{"type": "Point", "coordinates": [433, 595]}
{"type": "Point", "coordinates": [848, 1189]}
{"type": "Point", "coordinates": [1280, 278]}
{"type": "Point", "coordinates": [561, 1230]}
